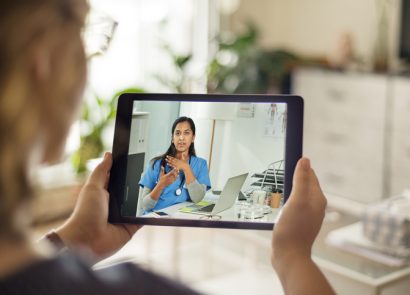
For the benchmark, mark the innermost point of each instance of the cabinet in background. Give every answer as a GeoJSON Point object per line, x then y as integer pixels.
{"type": "Point", "coordinates": [135, 163]}
{"type": "Point", "coordinates": [345, 131]}
{"type": "Point", "coordinates": [399, 157]}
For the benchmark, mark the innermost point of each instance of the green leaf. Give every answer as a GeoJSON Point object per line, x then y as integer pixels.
{"type": "Point", "coordinates": [96, 114]}
{"type": "Point", "coordinates": [100, 101]}
{"type": "Point", "coordinates": [86, 112]}
{"type": "Point", "coordinates": [181, 60]}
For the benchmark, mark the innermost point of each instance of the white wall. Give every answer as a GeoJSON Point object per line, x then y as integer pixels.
{"type": "Point", "coordinates": [119, 67]}
{"type": "Point", "coordinates": [313, 27]}
{"type": "Point", "coordinates": [239, 145]}
{"type": "Point", "coordinates": [135, 54]}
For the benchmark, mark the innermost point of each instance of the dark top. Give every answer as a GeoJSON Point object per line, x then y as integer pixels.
{"type": "Point", "coordinates": [68, 274]}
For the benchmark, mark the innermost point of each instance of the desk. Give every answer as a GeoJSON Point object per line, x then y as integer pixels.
{"type": "Point", "coordinates": [231, 214]}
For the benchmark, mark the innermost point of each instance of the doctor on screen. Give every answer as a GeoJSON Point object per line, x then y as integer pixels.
{"type": "Point", "coordinates": [178, 175]}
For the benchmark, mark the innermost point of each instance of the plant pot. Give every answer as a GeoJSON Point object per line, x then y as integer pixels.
{"type": "Point", "coordinates": [276, 198]}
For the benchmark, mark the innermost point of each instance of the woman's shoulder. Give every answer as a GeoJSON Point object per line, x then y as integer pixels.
{"type": "Point", "coordinates": [68, 274]}
{"type": "Point", "coordinates": [140, 281]}
{"type": "Point", "coordinates": [154, 163]}
{"type": "Point", "coordinates": [196, 159]}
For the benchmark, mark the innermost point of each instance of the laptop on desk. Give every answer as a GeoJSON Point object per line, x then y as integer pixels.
{"type": "Point", "coordinates": [226, 200]}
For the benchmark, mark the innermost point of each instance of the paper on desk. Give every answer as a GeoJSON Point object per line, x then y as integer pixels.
{"type": "Point", "coordinates": [351, 239]}
{"type": "Point", "coordinates": [194, 207]}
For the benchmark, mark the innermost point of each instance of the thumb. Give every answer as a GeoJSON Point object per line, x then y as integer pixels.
{"type": "Point", "coordinates": [301, 179]}
{"type": "Point", "coordinates": [100, 174]}
{"type": "Point", "coordinates": [162, 171]}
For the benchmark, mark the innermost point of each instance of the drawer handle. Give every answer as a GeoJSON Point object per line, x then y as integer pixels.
{"type": "Point", "coordinates": [334, 178]}
{"type": "Point", "coordinates": [126, 194]}
{"type": "Point", "coordinates": [334, 137]}
{"type": "Point", "coordinates": [336, 95]}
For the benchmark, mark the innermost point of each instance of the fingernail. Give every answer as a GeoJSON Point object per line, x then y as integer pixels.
{"type": "Point", "coordinates": [105, 155]}
{"type": "Point", "coordinates": [305, 163]}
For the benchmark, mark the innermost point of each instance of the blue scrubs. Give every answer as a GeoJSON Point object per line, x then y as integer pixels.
{"type": "Point", "coordinates": [168, 196]}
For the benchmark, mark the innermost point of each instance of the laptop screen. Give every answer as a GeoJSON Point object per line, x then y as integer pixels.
{"type": "Point", "coordinates": [184, 157]}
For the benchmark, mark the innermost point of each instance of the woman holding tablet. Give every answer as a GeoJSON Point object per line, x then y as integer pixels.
{"type": "Point", "coordinates": [42, 76]}
{"type": "Point", "coordinates": [178, 175]}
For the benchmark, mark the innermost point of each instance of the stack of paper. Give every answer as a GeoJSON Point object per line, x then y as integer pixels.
{"type": "Point", "coordinates": [350, 238]}
{"type": "Point", "coordinates": [194, 207]}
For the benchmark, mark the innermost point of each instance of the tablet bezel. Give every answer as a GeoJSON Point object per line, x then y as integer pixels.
{"type": "Point", "coordinates": [293, 152]}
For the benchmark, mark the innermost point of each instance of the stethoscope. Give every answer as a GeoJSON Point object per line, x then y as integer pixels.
{"type": "Point", "coordinates": [178, 191]}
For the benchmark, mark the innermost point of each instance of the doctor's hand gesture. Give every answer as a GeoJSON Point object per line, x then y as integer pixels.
{"type": "Point", "coordinates": [166, 179]}
{"type": "Point", "coordinates": [179, 164]}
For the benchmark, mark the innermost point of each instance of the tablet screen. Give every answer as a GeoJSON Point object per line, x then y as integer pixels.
{"type": "Point", "coordinates": [205, 161]}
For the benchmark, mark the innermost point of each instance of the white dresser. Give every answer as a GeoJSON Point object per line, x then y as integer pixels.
{"type": "Point", "coordinates": [399, 156]}
{"type": "Point", "coordinates": [345, 131]}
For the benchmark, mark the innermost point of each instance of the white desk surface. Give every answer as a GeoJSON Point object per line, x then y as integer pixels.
{"type": "Point", "coordinates": [230, 214]}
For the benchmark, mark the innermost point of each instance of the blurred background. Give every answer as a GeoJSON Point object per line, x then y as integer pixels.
{"type": "Point", "coordinates": [347, 59]}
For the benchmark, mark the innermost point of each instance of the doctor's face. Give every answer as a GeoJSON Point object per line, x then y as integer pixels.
{"type": "Point", "coordinates": [183, 137]}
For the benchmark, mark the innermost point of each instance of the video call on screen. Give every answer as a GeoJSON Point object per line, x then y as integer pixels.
{"type": "Point", "coordinates": [223, 161]}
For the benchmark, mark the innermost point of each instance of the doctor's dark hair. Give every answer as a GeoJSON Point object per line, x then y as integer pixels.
{"type": "Point", "coordinates": [172, 151]}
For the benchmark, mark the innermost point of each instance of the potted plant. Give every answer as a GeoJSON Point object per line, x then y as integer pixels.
{"type": "Point", "coordinates": [241, 65]}
{"type": "Point", "coordinates": [274, 191]}
{"type": "Point", "coordinates": [97, 115]}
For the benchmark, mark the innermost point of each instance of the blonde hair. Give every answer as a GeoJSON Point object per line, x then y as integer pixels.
{"type": "Point", "coordinates": [27, 106]}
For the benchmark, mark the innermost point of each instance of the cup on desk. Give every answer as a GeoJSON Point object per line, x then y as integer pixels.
{"type": "Point", "coordinates": [240, 209]}
{"type": "Point", "coordinates": [276, 198]}
{"type": "Point", "coordinates": [258, 197]}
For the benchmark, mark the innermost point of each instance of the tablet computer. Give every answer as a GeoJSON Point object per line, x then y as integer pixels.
{"type": "Point", "coordinates": [204, 160]}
